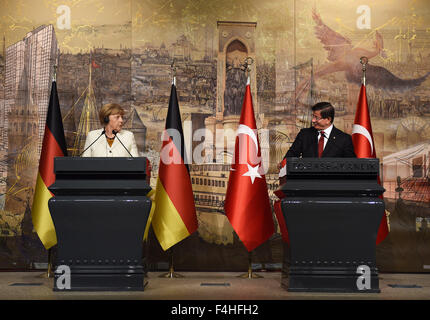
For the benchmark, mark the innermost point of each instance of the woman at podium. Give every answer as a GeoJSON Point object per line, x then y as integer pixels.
{"type": "Point", "coordinates": [111, 140]}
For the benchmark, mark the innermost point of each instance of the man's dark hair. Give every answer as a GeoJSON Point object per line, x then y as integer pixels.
{"type": "Point", "coordinates": [327, 110]}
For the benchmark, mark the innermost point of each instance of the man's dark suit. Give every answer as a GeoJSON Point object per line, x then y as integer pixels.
{"type": "Point", "coordinates": [339, 145]}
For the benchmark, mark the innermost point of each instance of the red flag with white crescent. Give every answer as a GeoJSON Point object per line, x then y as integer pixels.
{"type": "Point", "coordinates": [364, 146]}
{"type": "Point", "coordinates": [277, 205]}
{"type": "Point", "coordinates": [247, 203]}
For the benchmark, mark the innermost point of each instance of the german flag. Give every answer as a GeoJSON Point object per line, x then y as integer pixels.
{"type": "Point", "coordinates": [54, 145]}
{"type": "Point", "coordinates": [175, 213]}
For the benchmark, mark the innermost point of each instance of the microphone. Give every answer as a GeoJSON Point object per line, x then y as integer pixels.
{"type": "Point", "coordinates": [103, 132]}
{"type": "Point", "coordinates": [115, 132]}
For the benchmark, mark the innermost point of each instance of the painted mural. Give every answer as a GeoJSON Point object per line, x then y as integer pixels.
{"type": "Point", "coordinates": [300, 52]}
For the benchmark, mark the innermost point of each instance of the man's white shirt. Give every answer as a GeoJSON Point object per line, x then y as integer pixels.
{"type": "Point", "coordinates": [326, 134]}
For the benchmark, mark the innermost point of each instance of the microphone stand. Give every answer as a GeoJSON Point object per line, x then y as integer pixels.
{"type": "Point", "coordinates": [103, 132]}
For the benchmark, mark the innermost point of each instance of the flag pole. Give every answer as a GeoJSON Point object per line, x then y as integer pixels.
{"type": "Point", "coordinates": [171, 273]}
{"type": "Point", "coordinates": [360, 121]}
{"type": "Point", "coordinates": [49, 273]}
{"type": "Point", "coordinates": [249, 275]}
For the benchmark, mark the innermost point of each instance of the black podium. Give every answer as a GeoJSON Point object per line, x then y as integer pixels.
{"type": "Point", "coordinates": [100, 210]}
{"type": "Point", "coordinates": [332, 211]}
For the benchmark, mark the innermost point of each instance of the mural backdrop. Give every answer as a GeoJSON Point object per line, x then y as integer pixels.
{"type": "Point", "coordinates": [302, 52]}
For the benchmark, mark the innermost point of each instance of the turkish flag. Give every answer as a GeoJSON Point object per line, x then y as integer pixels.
{"type": "Point", "coordinates": [247, 203]}
{"type": "Point", "coordinates": [277, 204]}
{"type": "Point", "coordinates": [364, 146]}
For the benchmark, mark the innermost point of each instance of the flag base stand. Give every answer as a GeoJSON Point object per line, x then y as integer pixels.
{"type": "Point", "coordinates": [47, 275]}
{"type": "Point", "coordinates": [250, 274]}
{"type": "Point", "coordinates": [171, 273]}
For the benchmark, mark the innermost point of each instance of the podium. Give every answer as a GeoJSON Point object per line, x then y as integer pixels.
{"type": "Point", "coordinates": [100, 210]}
{"type": "Point", "coordinates": [332, 211]}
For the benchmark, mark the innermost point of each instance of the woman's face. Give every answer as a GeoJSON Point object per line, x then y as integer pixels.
{"type": "Point", "coordinates": [116, 122]}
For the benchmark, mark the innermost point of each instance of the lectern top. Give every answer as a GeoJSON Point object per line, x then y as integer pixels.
{"type": "Point", "coordinates": [99, 165]}
{"type": "Point", "coordinates": [99, 176]}
{"type": "Point", "coordinates": [343, 177]}
{"type": "Point", "coordinates": [332, 166]}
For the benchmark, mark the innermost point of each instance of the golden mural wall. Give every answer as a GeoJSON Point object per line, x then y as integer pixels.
{"type": "Point", "coordinates": [302, 51]}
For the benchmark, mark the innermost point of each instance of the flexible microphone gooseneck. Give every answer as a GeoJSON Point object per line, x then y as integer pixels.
{"type": "Point", "coordinates": [115, 132]}
{"type": "Point", "coordinates": [103, 132]}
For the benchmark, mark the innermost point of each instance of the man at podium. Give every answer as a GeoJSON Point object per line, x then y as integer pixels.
{"type": "Point", "coordinates": [323, 139]}
{"type": "Point", "coordinates": [111, 141]}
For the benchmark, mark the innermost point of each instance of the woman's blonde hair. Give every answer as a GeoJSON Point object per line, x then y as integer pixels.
{"type": "Point", "coordinates": [107, 110]}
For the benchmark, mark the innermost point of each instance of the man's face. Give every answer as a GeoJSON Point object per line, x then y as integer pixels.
{"type": "Point", "coordinates": [318, 122]}
{"type": "Point", "coordinates": [116, 122]}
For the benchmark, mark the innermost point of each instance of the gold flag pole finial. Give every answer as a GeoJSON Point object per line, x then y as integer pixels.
{"type": "Point", "coordinates": [173, 69]}
{"type": "Point", "coordinates": [54, 77]}
{"type": "Point", "coordinates": [247, 66]}
{"type": "Point", "coordinates": [364, 61]}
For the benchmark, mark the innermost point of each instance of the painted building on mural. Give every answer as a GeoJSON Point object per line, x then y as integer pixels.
{"type": "Point", "coordinates": [29, 68]}
{"type": "Point", "coordinates": [406, 174]}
